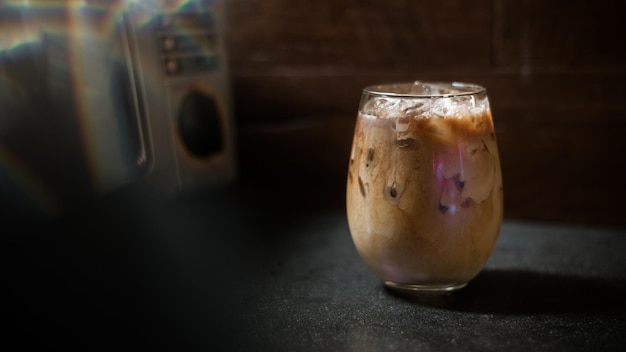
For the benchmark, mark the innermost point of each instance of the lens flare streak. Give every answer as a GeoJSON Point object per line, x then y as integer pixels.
{"type": "Point", "coordinates": [20, 178]}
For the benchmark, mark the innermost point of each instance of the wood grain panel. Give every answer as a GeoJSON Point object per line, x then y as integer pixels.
{"type": "Point", "coordinates": [264, 34]}
{"type": "Point", "coordinates": [559, 34]}
{"type": "Point", "coordinates": [553, 70]}
{"type": "Point", "coordinates": [559, 149]}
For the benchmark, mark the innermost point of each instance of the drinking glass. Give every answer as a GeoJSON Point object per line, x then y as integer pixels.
{"type": "Point", "coordinates": [424, 187]}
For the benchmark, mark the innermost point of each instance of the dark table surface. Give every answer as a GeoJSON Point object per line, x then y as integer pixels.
{"type": "Point", "coordinates": [137, 270]}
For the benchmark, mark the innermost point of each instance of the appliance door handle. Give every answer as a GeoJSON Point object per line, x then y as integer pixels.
{"type": "Point", "coordinates": [138, 105]}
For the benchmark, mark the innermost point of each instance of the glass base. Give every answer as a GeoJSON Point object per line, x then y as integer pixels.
{"type": "Point", "coordinates": [413, 289]}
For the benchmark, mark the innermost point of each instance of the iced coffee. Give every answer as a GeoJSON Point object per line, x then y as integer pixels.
{"type": "Point", "coordinates": [424, 189]}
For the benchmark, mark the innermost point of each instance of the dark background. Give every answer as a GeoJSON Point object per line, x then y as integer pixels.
{"type": "Point", "coordinates": [160, 271]}
{"type": "Point", "coordinates": [554, 72]}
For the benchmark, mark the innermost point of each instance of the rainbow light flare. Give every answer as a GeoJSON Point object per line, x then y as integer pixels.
{"type": "Point", "coordinates": [85, 24]}
{"type": "Point", "coordinates": [79, 30]}
{"type": "Point", "coordinates": [177, 7]}
{"type": "Point", "coordinates": [28, 22]}
{"type": "Point", "coordinates": [32, 190]}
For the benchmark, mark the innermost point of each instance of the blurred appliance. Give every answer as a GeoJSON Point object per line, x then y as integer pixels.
{"type": "Point", "coordinates": [99, 94]}
{"type": "Point", "coordinates": [179, 78]}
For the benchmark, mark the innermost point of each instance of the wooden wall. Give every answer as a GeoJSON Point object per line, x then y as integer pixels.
{"type": "Point", "coordinates": [555, 72]}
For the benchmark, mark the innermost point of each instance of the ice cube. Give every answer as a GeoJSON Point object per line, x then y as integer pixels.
{"type": "Point", "coordinates": [478, 172]}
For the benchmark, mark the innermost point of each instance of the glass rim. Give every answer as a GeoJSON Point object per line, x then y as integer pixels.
{"type": "Point", "coordinates": [386, 89]}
